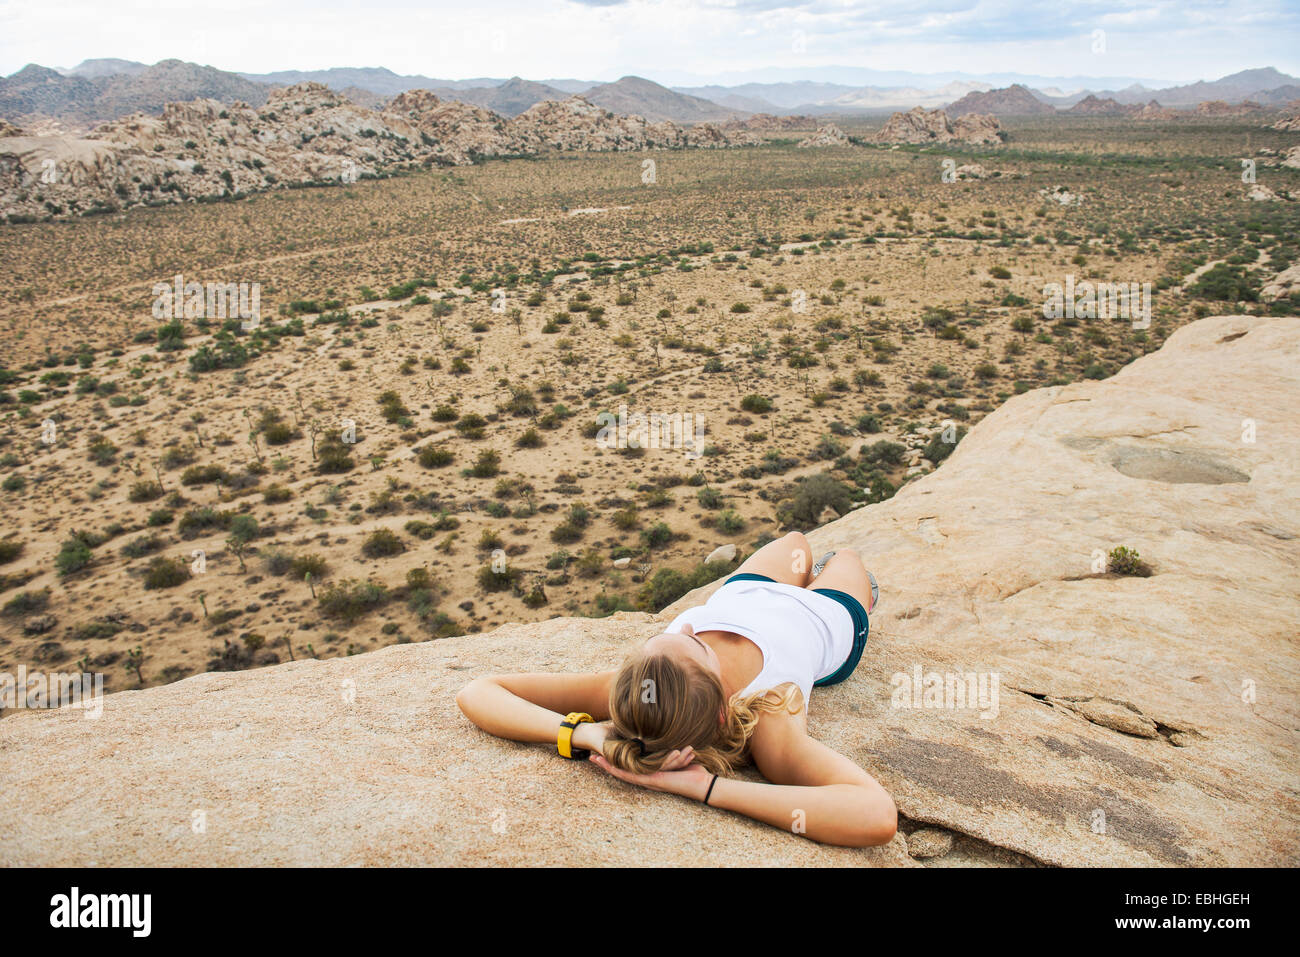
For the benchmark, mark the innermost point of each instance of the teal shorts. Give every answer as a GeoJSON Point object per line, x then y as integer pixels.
{"type": "Point", "coordinates": [856, 612]}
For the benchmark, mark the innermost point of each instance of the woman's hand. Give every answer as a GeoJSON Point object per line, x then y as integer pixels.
{"type": "Point", "coordinates": [679, 775]}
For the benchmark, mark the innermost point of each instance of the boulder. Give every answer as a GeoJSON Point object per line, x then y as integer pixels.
{"type": "Point", "coordinates": [988, 566]}
{"type": "Point", "coordinates": [919, 125]}
{"type": "Point", "coordinates": [1285, 283]}
{"type": "Point", "coordinates": [928, 843]}
{"type": "Point", "coordinates": [828, 135]}
{"type": "Point", "coordinates": [723, 553]}
{"type": "Point", "coordinates": [1262, 194]}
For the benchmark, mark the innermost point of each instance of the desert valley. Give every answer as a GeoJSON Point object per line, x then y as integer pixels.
{"type": "Point", "coordinates": [406, 441]}
{"type": "Point", "coordinates": [300, 366]}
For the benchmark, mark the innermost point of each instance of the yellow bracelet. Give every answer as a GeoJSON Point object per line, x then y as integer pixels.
{"type": "Point", "coordinates": [564, 743]}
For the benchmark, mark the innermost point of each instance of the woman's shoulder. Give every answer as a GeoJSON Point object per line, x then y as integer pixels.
{"type": "Point", "coordinates": [779, 698]}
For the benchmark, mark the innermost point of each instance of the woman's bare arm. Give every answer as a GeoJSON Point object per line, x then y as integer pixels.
{"type": "Point", "coordinates": [529, 707]}
{"type": "Point", "coordinates": [815, 792]}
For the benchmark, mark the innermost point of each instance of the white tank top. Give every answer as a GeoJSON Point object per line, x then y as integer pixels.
{"type": "Point", "coordinates": [804, 635]}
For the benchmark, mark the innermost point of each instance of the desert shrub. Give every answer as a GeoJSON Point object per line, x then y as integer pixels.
{"type": "Point", "coordinates": [9, 550]}
{"type": "Point", "coordinates": [334, 456]}
{"type": "Point", "coordinates": [144, 545]}
{"type": "Point", "coordinates": [472, 426]}
{"type": "Point", "coordinates": [421, 530]}
{"type": "Point", "coordinates": [826, 448]}
{"type": "Point", "coordinates": [199, 520]}
{"type": "Point", "coordinates": [566, 533]}
{"type": "Point", "coordinates": [487, 465]}
{"type": "Point", "coordinates": [27, 603]}
{"type": "Point", "coordinates": [883, 454]}
{"type": "Point", "coordinates": [730, 522]}
{"type": "Point", "coordinates": [203, 474]}
{"type": "Point", "coordinates": [277, 561]}
{"type": "Point", "coordinates": [490, 579]}
{"type": "Point", "coordinates": [166, 573]}
{"type": "Point", "coordinates": [276, 494]}
{"type": "Point", "coordinates": [657, 536]}
{"type": "Point", "coordinates": [391, 405]}
{"type": "Point", "coordinates": [144, 492]}
{"type": "Point", "coordinates": [1126, 561]}
{"type": "Point", "coordinates": [709, 497]}
{"type": "Point", "coordinates": [351, 599]}
{"type": "Point", "coordinates": [278, 433]}
{"type": "Point", "coordinates": [177, 455]}
{"type": "Point", "coordinates": [381, 543]}
{"type": "Point", "coordinates": [937, 449]}
{"type": "Point", "coordinates": [1226, 283]}
{"type": "Point", "coordinates": [73, 556]}
{"type": "Point", "coordinates": [668, 584]}
{"type": "Point", "coordinates": [626, 519]}
{"type": "Point", "coordinates": [815, 494]}
{"type": "Point", "coordinates": [314, 565]}
{"type": "Point", "coordinates": [435, 456]}
{"type": "Point", "coordinates": [756, 404]}
{"type": "Point", "coordinates": [102, 451]}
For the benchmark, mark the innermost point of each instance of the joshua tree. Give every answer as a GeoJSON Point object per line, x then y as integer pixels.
{"type": "Point", "coordinates": [135, 657]}
{"type": "Point", "coordinates": [315, 429]}
{"type": "Point", "coordinates": [243, 529]}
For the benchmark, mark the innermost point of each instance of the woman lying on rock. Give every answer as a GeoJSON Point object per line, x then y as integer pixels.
{"type": "Point", "coordinates": [727, 680]}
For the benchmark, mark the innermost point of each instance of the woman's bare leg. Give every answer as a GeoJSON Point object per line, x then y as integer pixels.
{"type": "Point", "coordinates": [845, 572]}
{"type": "Point", "coordinates": [787, 560]}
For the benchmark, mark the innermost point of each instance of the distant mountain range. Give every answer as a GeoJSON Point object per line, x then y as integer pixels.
{"type": "Point", "coordinates": [101, 90]}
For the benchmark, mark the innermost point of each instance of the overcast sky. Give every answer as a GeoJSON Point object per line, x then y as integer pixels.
{"type": "Point", "coordinates": [671, 41]}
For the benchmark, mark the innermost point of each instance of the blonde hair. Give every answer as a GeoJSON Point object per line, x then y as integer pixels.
{"type": "Point", "coordinates": [668, 704]}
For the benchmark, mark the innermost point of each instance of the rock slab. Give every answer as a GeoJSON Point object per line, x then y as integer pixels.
{"type": "Point", "coordinates": [990, 566]}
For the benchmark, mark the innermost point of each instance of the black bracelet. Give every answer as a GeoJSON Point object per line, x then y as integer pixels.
{"type": "Point", "coordinates": [709, 793]}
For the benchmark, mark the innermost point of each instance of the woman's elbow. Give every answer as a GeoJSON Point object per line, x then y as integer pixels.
{"type": "Point", "coordinates": [878, 824]}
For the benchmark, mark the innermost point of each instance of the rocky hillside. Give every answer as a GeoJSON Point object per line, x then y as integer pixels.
{"type": "Point", "coordinates": [767, 123]}
{"type": "Point", "coordinates": [919, 125]}
{"type": "Point", "coordinates": [578, 124]}
{"type": "Point", "coordinates": [1222, 108]}
{"type": "Point", "coordinates": [303, 134]}
{"type": "Point", "coordinates": [84, 101]}
{"type": "Point", "coordinates": [637, 96]}
{"type": "Point", "coordinates": [1014, 100]}
{"type": "Point", "coordinates": [509, 99]}
{"type": "Point", "coordinates": [1154, 111]}
{"type": "Point", "coordinates": [1096, 106]}
{"type": "Point", "coordinates": [1146, 713]}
